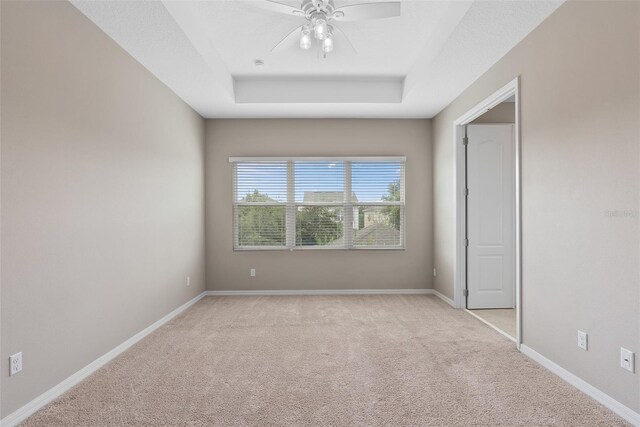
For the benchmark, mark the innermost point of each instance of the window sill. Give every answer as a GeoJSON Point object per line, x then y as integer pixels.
{"type": "Point", "coordinates": [317, 248]}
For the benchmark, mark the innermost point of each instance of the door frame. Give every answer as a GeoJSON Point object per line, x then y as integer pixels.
{"type": "Point", "coordinates": [460, 274]}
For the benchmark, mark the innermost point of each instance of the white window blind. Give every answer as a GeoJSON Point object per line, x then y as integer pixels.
{"type": "Point", "coordinates": [260, 204]}
{"type": "Point", "coordinates": [318, 203]}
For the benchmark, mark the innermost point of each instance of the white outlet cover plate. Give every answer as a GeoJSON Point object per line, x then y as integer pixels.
{"type": "Point", "coordinates": [583, 340]}
{"type": "Point", "coordinates": [15, 363]}
{"type": "Point", "coordinates": [626, 359]}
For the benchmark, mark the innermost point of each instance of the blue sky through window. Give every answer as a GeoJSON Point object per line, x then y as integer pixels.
{"type": "Point", "coordinates": [318, 176]}
{"type": "Point", "coordinates": [370, 180]}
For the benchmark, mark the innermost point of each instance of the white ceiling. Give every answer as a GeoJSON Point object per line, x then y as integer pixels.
{"type": "Point", "coordinates": [409, 66]}
{"type": "Point", "coordinates": [384, 47]}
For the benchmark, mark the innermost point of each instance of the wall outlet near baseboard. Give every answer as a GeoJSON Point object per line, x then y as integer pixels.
{"type": "Point", "coordinates": [188, 280]}
{"type": "Point", "coordinates": [252, 272]}
{"type": "Point", "coordinates": [582, 340]}
{"type": "Point", "coordinates": [434, 272]}
{"type": "Point", "coordinates": [15, 363]}
{"type": "Point", "coordinates": [626, 359]}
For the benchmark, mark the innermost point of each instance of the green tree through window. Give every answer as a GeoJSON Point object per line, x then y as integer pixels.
{"type": "Point", "coordinates": [317, 225]}
{"type": "Point", "coordinates": [300, 203]}
{"type": "Point", "coordinates": [393, 212]}
{"type": "Point", "coordinates": [261, 225]}
{"type": "Point", "coordinates": [266, 225]}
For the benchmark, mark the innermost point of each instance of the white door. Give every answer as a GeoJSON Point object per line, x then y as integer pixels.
{"type": "Point", "coordinates": [491, 277]}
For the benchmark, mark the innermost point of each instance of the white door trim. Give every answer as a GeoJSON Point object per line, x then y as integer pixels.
{"type": "Point", "coordinates": [510, 89]}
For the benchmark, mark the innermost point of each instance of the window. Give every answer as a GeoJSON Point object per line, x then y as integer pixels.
{"type": "Point", "coordinates": [318, 203]}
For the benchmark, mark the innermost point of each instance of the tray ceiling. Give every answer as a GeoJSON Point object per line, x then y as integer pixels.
{"type": "Point", "coordinates": [409, 66]}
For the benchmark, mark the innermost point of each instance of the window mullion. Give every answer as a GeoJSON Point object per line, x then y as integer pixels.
{"type": "Point", "coordinates": [403, 171]}
{"type": "Point", "coordinates": [347, 227]}
{"type": "Point", "coordinates": [290, 220]}
{"type": "Point", "coordinates": [236, 240]}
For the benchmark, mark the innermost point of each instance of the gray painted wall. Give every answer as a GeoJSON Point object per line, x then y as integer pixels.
{"type": "Point", "coordinates": [102, 194]}
{"type": "Point", "coordinates": [504, 112]}
{"type": "Point", "coordinates": [580, 111]}
{"type": "Point", "coordinates": [318, 269]}
{"type": "Point", "coordinates": [102, 197]}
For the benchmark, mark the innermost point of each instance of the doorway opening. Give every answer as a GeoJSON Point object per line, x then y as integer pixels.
{"type": "Point", "coordinates": [488, 262]}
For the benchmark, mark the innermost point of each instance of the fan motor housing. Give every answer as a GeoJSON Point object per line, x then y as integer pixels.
{"type": "Point", "coordinates": [311, 7]}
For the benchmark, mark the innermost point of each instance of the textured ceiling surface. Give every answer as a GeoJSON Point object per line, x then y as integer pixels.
{"type": "Point", "coordinates": [202, 50]}
{"type": "Point", "coordinates": [382, 47]}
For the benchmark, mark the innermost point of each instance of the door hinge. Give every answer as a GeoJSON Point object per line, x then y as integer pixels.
{"type": "Point", "coordinates": [465, 292]}
{"type": "Point", "coordinates": [466, 242]}
{"type": "Point", "coordinates": [465, 140]}
{"type": "Point", "coordinates": [466, 191]}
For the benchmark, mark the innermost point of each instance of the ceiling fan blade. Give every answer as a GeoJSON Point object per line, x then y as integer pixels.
{"type": "Point", "coordinates": [343, 40]}
{"type": "Point", "coordinates": [274, 6]}
{"type": "Point", "coordinates": [288, 41]}
{"type": "Point", "coordinates": [364, 11]}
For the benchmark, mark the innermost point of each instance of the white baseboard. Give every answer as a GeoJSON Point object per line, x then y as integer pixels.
{"type": "Point", "coordinates": [30, 408]}
{"type": "Point", "coordinates": [443, 297]}
{"type": "Point", "coordinates": [33, 406]}
{"type": "Point", "coordinates": [323, 292]}
{"type": "Point", "coordinates": [608, 401]}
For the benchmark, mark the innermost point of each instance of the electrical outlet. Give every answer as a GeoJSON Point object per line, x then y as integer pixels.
{"type": "Point", "coordinates": [626, 359]}
{"type": "Point", "coordinates": [582, 340]}
{"type": "Point", "coordinates": [15, 363]}
{"type": "Point", "coordinates": [188, 280]}
{"type": "Point", "coordinates": [252, 272]}
{"type": "Point", "coordinates": [434, 272]}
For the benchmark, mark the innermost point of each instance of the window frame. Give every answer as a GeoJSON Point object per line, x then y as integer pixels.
{"type": "Point", "coordinates": [291, 206]}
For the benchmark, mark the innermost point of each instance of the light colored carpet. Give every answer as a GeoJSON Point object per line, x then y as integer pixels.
{"type": "Point", "coordinates": [502, 318]}
{"type": "Point", "coordinates": [323, 360]}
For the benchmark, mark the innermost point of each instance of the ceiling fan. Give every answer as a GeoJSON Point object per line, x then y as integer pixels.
{"type": "Point", "coordinates": [320, 20]}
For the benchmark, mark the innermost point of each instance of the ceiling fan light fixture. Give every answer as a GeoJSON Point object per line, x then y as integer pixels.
{"type": "Point", "coordinates": [327, 42]}
{"type": "Point", "coordinates": [320, 17]}
{"type": "Point", "coordinates": [320, 28]}
{"type": "Point", "coordinates": [305, 38]}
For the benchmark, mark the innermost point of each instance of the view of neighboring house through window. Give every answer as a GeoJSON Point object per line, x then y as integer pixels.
{"type": "Point", "coordinates": [341, 203]}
